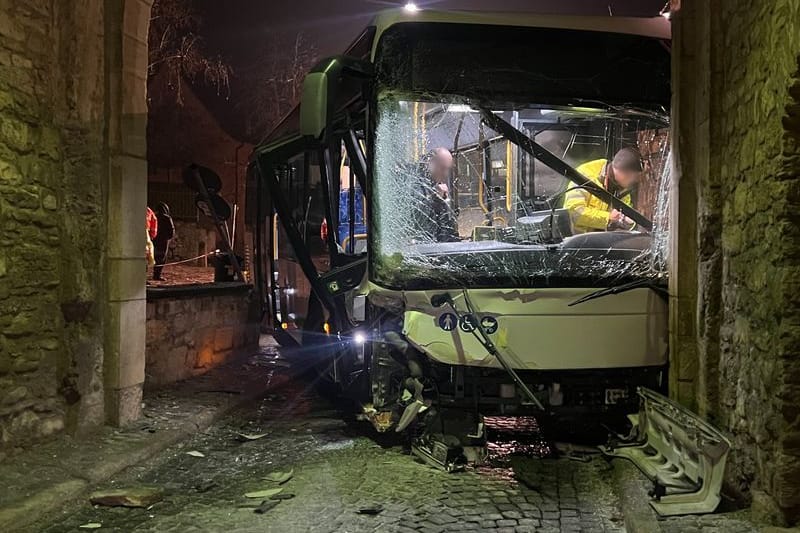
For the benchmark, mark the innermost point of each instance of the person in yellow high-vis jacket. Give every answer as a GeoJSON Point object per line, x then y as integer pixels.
{"type": "Point", "coordinates": [619, 177]}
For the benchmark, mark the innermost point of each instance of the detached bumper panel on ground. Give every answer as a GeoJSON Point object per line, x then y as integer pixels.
{"type": "Point", "coordinates": [682, 454]}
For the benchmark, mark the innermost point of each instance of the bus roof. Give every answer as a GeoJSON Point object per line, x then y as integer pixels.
{"type": "Point", "coordinates": [655, 27]}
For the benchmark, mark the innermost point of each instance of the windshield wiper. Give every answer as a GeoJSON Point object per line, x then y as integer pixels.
{"type": "Point", "coordinates": [616, 289]}
{"type": "Point", "coordinates": [551, 160]}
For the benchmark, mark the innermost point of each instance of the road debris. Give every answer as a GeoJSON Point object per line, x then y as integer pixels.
{"type": "Point", "coordinates": [266, 493]}
{"type": "Point", "coordinates": [371, 509]}
{"type": "Point", "coordinates": [440, 451]}
{"type": "Point", "coordinates": [279, 477]}
{"type": "Point", "coordinates": [250, 436]}
{"type": "Point", "coordinates": [195, 453]}
{"type": "Point", "coordinates": [381, 420]}
{"type": "Point", "coordinates": [266, 506]}
{"type": "Point", "coordinates": [282, 496]}
{"type": "Point", "coordinates": [682, 454]}
{"type": "Point", "coordinates": [91, 525]}
{"type": "Point", "coordinates": [248, 505]}
{"type": "Point", "coordinates": [127, 497]}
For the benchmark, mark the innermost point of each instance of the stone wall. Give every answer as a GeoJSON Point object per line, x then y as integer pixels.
{"type": "Point", "coordinates": [51, 218]}
{"type": "Point", "coordinates": [72, 190]}
{"type": "Point", "coordinates": [192, 239]}
{"type": "Point", "coordinates": [739, 189]}
{"type": "Point", "coordinates": [191, 330]}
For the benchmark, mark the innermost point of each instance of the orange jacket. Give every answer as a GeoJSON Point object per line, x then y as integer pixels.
{"type": "Point", "coordinates": [151, 224]}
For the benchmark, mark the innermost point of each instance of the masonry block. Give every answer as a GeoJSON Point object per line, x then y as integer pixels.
{"type": "Point", "coordinates": [193, 334]}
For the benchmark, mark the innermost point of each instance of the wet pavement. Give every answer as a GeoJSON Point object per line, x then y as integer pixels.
{"type": "Point", "coordinates": [339, 469]}
{"type": "Point", "coordinates": [343, 480]}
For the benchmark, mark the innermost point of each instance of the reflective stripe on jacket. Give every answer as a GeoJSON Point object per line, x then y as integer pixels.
{"type": "Point", "coordinates": [587, 211]}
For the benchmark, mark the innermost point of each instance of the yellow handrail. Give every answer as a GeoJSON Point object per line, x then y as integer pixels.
{"type": "Point", "coordinates": [357, 236]}
{"type": "Point", "coordinates": [509, 170]}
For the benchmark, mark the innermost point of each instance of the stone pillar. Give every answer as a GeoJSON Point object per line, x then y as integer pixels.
{"type": "Point", "coordinates": [126, 24]}
{"type": "Point", "coordinates": [683, 205]}
{"type": "Point", "coordinates": [735, 327]}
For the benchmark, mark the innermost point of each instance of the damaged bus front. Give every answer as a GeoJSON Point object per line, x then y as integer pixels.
{"type": "Point", "coordinates": [478, 206]}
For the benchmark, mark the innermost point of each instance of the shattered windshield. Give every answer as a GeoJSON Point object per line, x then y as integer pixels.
{"type": "Point", "coordinates": [462, 199]}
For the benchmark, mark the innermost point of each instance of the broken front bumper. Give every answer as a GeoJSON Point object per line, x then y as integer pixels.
{"type": "Point", "coordinates": [682, 454]}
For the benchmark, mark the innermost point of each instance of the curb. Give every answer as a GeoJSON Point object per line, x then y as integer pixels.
{"type": "Point", "coordinates": [631, 488]}
{"type": "Point", "coordinates": [54, 497]}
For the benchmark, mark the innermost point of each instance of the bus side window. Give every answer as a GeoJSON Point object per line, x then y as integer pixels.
{"type": "Point", "coordinates": [352, 230]}
{"type": "Point", "coordinates": [301, 186]}
{"type": "Point", "coordinates": [286, 176]}
{"type": "Point", "coordinates": [314, 213]}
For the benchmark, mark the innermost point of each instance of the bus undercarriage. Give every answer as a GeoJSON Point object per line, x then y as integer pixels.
{"type": "Point", "coordinates": [498, 363]}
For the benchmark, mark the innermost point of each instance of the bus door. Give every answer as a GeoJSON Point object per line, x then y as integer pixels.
{"type": "Point", "coordinates": [296, 252]}
{"type": "Point", "coordinates": [317, 235]}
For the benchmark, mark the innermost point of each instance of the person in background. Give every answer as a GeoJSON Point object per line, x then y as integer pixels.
{"type": "Point", "coordinates": [620, 177]}
{"type": "Point", "coordinates": [166, 232]}
{"type": "Point", "coordinates": [151, 224]}
{"type": "Point", "coordinates": [151, 229]}
{"type": "Point", "coordinates": [443, 224]}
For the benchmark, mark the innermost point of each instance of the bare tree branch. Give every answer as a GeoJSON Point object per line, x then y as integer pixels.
{"type": "Point", "coordinates": [176, 53]}
{"type": "Point", "coordinates": [275, 81]}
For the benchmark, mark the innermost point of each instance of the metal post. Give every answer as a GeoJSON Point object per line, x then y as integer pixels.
{"type": "Point", "coordinates": [226, 243]}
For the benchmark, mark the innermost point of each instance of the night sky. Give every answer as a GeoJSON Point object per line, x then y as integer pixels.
{"type": "Point", "coordinates": [237, 30]}
{"type": "Point", "coordinates": [332, 24]}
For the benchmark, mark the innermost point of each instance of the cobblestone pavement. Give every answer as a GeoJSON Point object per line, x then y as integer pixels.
{"type": "Point", "coordinates": [338, 469]}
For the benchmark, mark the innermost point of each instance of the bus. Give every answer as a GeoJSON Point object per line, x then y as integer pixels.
{"type": "Point", "coordinates": [422, 227]}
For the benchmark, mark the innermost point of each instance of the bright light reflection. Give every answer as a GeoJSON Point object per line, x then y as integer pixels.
{"type": "Point", "coordinates": [411, 7]}
{"type": "Point", "coordinates": [460, 108]}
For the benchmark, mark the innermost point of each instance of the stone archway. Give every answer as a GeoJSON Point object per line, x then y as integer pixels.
{"type": "Point", "coordinates": [126, 32]}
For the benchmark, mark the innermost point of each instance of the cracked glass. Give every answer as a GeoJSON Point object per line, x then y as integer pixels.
{"type": "Point", "coordinates": [458, 203]}
{"type": "Point", "coordinates": [495, 158]}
